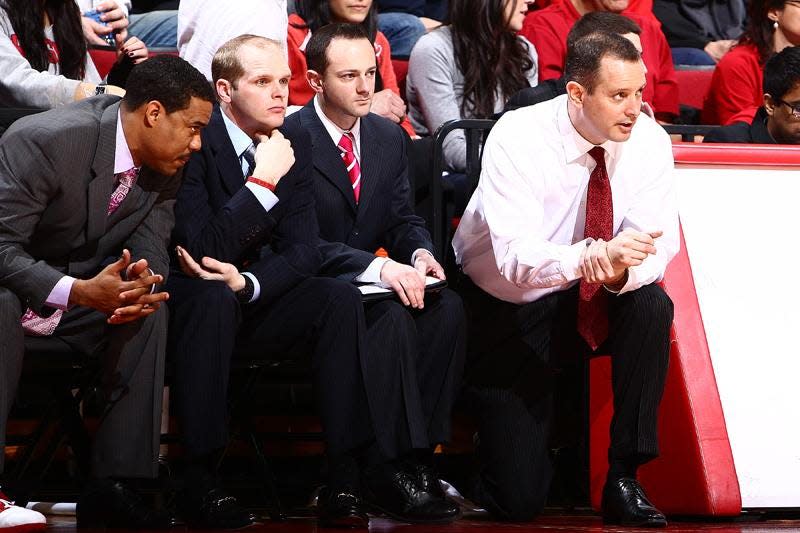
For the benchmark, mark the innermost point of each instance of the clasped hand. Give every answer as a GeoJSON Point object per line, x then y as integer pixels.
{"type": "Point", "coordinates": [123, 300]}
{"type": "Point", "coordinates": [607, 262]}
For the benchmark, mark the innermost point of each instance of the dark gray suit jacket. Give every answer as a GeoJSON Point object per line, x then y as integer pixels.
{"type": "Point", "coordinates": [56, 178]}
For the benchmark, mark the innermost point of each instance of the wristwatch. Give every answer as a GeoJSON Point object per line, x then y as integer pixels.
{"type": "Point", "coordinates": [245, 294]}
{"type": "Point", "coordinates": [100, 89]}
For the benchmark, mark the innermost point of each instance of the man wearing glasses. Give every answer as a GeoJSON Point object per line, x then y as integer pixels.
{"type": "Point", "coordinates": [778, 120]}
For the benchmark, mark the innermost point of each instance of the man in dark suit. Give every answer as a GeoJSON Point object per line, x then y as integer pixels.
{"type": "Point", "coordinates": [414, 344]}
{"type": "Point", "coordinates": [778, 120]}
{"type": "Point", "coordinates": [250, 223]}
{"type": "Point", "coordinates": [85, 190]}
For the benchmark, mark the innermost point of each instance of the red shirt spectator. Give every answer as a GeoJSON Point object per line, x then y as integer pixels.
{"type": "Point", "coordinates": [736, 87]}
{"type": "Point", "coordinates": [300, 91]}
{"type": "Point", "coordinates": [547, 29]}
{"type": "Point", "coordinates": [642, 7]}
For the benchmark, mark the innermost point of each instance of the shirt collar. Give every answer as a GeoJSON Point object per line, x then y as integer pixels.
{"type": "Point", "coordinates": [240, 140]}
{"type": "Point", "coordinates": [575, 146]}
{"type": "Point", "coordinates": [123, 159]}
{"type": "Point", "coordinates": [335, 131]}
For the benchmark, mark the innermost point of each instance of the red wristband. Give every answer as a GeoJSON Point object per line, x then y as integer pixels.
{"type": "Point", "coordinates": [263, 183]}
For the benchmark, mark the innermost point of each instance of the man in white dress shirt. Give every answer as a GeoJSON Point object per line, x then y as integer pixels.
{"type": "Point", "coordinates": [572, 224]}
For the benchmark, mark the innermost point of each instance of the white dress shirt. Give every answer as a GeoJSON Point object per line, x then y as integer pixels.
{"type": "Point", "coordinates": [521, 236]}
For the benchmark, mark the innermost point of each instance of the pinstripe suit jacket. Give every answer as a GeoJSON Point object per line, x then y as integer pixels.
{"type": "Point", "coordinates": [383, 218]}
{"type": "Point", "coordinates": [56, 178]}
{"type": "Point", "coordinates": [217, 216]}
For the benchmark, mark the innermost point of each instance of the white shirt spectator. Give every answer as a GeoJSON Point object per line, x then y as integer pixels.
{"type": "Point", "coordinates": [521, 236]}
{"type": "Point", "coordinates": [205, 25]}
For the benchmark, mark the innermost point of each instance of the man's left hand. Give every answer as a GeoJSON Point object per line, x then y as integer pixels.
{"type": "Point", "coordinates": [210, 268]}
{"type": "Point", "coordinates": [428, 266]}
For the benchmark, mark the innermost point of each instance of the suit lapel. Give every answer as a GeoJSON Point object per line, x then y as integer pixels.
{"type": "Point", "coordinates": [370, 163]}
{"type": "Point", "coordinates": [225, 157]}
{"type": "Point", "coordinates": [102, 184]}
{"type": "Point", "coordinates": [327, 157]}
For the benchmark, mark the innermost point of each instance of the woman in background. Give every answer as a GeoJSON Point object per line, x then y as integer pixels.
{"type": "Point", "coordinates": [736, 90]}
{"type": "Point", "coordinates": [468, 68]}
{"type": "Point", "coordinates": [44, 60]}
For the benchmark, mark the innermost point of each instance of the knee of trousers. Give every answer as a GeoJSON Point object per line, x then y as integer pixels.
{"type": "Point", "coordinates": [341, 295]}
{"type": "Point", "coordinates": [653, 305]}
{"type": "Point", "coordinates": [11, 334]}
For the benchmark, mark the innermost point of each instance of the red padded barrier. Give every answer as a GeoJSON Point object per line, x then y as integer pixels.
{"type": "Point", "coordinates": [693, 84]}
{"type": "Point", "coordinates": [736, 154]}
{"type": "Point", "coordinates": [695, 473]}
{"type": "Point", "coordinates": [400, 67]}
{"type": "Point", "coordinates": [104, 58]}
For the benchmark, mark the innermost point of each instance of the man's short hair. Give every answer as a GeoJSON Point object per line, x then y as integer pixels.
{"type": "Point", "coordinates": [227, 65]}
{"type": "Point", "coordinates": [601, 22]}
{"type": "Point", "coordinates": [586, 54]}
{"type": "Point", "coordinates": [168, 79]}
{"type": "Point", "coordinates": [782, 72]}
{"type": "Point", "coordinates": [317, 47]}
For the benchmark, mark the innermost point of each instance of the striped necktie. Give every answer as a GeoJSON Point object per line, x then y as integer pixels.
{"type": "Point", "coordinates": [350, 161]}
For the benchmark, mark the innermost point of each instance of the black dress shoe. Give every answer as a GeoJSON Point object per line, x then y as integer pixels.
{"type": "Point", "coordinates": [341, 508]}
{"type": "Point", "coordinates": [214, 510]}
{"type": "Point", "coordinates": [397, 493]}
{"type": "Point", "coordinates": [625, 503]}
{"type": "Point", "coordinates": [106, 503]}
{"type": "Point", "coordinates": [427, 479]}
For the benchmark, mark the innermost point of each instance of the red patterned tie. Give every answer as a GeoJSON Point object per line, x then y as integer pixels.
{"type": "Point", "coordinates": [32, 323]}
{"type": "Point", "coordinates": [350, 161]}
{"type": "Point", "coordinates": [593, 300]}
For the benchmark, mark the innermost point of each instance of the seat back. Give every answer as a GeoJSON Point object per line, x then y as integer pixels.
{"type": "Point", "coordinates": [475, 131]}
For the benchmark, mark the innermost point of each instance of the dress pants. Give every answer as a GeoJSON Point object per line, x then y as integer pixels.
{"type": "Point", "coordinates": [413, 366]}
{"type": "Point", "coordinates": [126, 442]}
{"type": "Point", "coordinates": [511, 373]}
{"type": "Point", "coordinates": [208, 323]}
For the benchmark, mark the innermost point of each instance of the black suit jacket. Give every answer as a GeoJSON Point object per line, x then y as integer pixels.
{"type": "Point", "coordinates": [741, 132]}
{"type": "Point", "coordinates": [217, 216]}
{"type": "Point", "coordinates": [383, 218]}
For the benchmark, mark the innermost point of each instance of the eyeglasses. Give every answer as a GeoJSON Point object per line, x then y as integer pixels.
{"type": "Point", "coordinates": [795, 108]}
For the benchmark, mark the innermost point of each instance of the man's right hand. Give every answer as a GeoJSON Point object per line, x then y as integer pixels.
{"type": "Point", "coordinates": [406, 281]}
{"type": "Point", "coordinates": [274, 157]}
{"type": "Point", "coordinates": [630, 247]}
{"type": "Point", "coordinates": [104, 292]}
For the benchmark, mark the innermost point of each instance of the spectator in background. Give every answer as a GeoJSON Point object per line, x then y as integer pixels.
{"type": "Point", "coordinates": [737, 85]}
{"type": "Point", "coordinates": [547, 29]}
{"type": "Point", "coordinates": [205, 25]}
{"type": "Point", "coordinates": [594, 22]}
{"type": "Point", "coordinates": [778, 120]}
{"type": "Point", "coordinates": [155, 23]}
{"type": "Point", "coordinates": [468, 69]}
{"type": "Point", "coordinates": [312, 15]}
{"type": "Point", "coordinates": [43, 54]}
{"type": "Point", "coordinates": [404, 22]}
{"type": "Point", "coordinates": [700, 32]}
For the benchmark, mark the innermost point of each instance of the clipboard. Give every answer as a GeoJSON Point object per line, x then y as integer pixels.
{"type": "Point", "coordinates": [374, 292]}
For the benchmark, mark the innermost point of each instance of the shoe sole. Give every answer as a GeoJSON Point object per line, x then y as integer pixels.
{"type": "Point", "coordinates": [646, 523]}
{"type": "Point", "coordinates": [401, 518]}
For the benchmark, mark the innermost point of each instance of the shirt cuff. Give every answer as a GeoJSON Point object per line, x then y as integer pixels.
{"type": "Point", "coordinates": [571, 260]}
{"type": "Point", "coordinates": [419, 251]}
{"type": "Point", "coordinates": [265, 197]}
{"type": "Point", "coordinates": [256, 287]}
{"type": "Point", "coordinates": [373, 272]}
{"type": "Point", "coordinates": [59, 296]}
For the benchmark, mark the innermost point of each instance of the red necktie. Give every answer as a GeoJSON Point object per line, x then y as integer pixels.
{"type": "Point", "coordinates": [350, 161]}
{"type": "Point", "coordinates": [125, 181]}
{"type": "Point", "coordinates": [593, 300]}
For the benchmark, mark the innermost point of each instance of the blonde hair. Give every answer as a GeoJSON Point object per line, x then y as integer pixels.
{"type": "Point", "coordinates": [226, 64]}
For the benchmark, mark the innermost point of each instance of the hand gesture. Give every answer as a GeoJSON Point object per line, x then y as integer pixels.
{"type": "Point", "coordinates": [406, 281]}
{"type": "Point", "coordinates": [107, 291]}
{"type": "Point", "coordinates": [274, 157]}
{"type": "Point", "coordinates": [115, 20]}
{"type": "Point", "coordinates": [426, 265]}
{"type": "Point", "coordinates": [631, 247]}
{"type": "Point", "coordinates": [135, 49]}
{"type": "Point", "coordinates": [211, 269]}
{"type": "Point", "coordinates": [387, 104]}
